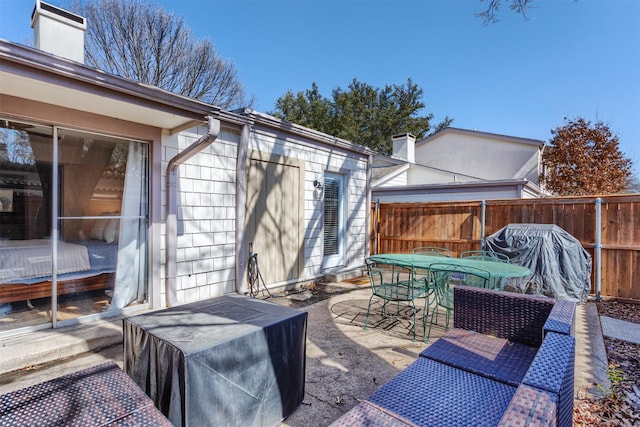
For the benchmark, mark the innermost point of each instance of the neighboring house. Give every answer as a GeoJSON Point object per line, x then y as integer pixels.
{"type": "Point", "coordinates": [458, 164]}
{"type": "Point", "coordinates": [122, 196]}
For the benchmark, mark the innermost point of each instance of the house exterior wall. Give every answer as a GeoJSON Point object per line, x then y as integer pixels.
{"type": "Point", "coordinates": [206, 215]}
{"type": "Point", "coordinates": [459, 164]}
{"type": "Point", "coordinates": [442, 194]}
{"type": "Point", "coordinates": [401, 178]}
{"type": "Point", "coordinates": [208, 206]}
{"type": "Point", "coordinates": [415, 174]}
{"type": "Point", "coordinates": [529, 193]}
{"type": "Point", "coordinates": [480, 155]}
{"type": "Point", "coordinates": [318, 158]}
{"type": "Point", "coordinates": [419, 175]}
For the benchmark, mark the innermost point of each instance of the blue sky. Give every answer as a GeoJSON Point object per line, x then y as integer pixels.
{"type": "Point", "coordinates": [517, 77]}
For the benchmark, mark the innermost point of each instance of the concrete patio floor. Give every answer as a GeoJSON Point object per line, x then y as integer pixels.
{"type": "Point", "coordinates": [345, 363]}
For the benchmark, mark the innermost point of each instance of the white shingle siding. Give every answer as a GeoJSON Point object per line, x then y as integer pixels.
{"type": "Point", "coordinates": [400, 179]}
{"type": "Point", "coordinates": [206, 216]}
{"type": "Point", "coordinates": [318, 159]}
{"type": "Point", "coordinates": [358, 214]}
{"type": "Point", "coordinates": [206, 241]}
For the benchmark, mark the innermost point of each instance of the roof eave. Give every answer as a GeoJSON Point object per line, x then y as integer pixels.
{"type": "Point", "coordinates": [34, 64]}
{"type": "Point", "coordinates": [276, 123]}
{"type": "Point", "coordinates": [508, 138]}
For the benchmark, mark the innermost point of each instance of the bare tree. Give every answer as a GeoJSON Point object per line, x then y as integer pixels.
{"type": "Point", "coordinates": [15, 147]}
{"type": "Point", "coordinates": [633, 184]}
{"type": "Point", "coordinates": [141, 41]}
{"type": "Point", "coordinates": [490, 14]}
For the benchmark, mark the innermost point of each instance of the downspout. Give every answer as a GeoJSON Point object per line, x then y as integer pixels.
{"type": "Point", "coordinates": [376, 228]}
{"type": "Point", "coordinates": [171, 232]}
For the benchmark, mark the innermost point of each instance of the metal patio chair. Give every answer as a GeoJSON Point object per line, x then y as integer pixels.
{"type": "Point", "coordinates": [484, 255]}
{"type": "Point", "coordinates": [395, 283]}
{"type": "Point", "coordinates": [444, 277]}
{"type": "Point", "coordinates": [433, 251]}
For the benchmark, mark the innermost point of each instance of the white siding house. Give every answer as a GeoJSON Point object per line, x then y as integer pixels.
{"type": "Point", "coordinates": [483, 155]}
{"type": "Point", "coordinates": [458, 164]}
{"type": "Point", "coordinates": [229, 200]}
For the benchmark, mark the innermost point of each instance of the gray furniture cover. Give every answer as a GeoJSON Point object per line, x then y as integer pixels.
{"type": "Point", "coordinates": [560, 266]}
{"type": "Point", "coordinates": [226, 361]}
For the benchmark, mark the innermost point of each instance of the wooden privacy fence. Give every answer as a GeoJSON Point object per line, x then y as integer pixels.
{"type": "Point", "coordinates": [608, 228]}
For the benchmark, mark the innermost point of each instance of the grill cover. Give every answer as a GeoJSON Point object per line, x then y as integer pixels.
{"type": "Point", "coordinates": [560, 266]}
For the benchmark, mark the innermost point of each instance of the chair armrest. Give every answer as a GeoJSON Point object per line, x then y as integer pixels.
{"type": "Point", "coordinates": [552, 370]}
{"type": "Point", "coordinates": [515, 317]}
{"type": "Point", "coordinates": [530, 407]}
{"type": "Point", "coordinates": [561, 318]}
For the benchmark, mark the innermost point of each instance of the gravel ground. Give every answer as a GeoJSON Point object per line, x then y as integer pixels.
{"type": "Point", "coordinates": [622, 406]}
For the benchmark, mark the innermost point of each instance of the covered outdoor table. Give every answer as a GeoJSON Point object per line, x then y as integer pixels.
{"type": "Point", "coordinates": [230, 360]}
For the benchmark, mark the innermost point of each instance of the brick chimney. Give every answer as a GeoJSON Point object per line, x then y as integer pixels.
{"type": "Point", "coordinates": [58, 32]}
{"type": "Point", "coordinates": [404, 147]}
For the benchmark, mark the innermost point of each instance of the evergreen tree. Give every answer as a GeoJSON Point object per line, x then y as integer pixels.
{"type": "Point", "coordinates": [362, 114]}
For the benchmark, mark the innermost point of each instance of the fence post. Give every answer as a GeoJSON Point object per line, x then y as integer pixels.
{"type": "Point", "coordinates": [597, 250]}
{"type": "Point", "coordinates": [483, 205]}
{"type": "Point", "coordinates": [376, 228]}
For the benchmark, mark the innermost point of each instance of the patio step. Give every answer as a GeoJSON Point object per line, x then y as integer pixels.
{"type": "Point", "coordinates": [49, 345]}
{"type": "Point", "coordinates": [340, 275]}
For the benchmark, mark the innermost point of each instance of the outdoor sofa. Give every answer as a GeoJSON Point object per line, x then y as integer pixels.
{"type": "Point", "coordinates": [102, 395]}
{"type": "Point", "coordinates": [508, 361]}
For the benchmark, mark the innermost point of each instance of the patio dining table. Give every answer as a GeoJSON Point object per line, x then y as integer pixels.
{"type": "Point", "coordinates": [495, 270]}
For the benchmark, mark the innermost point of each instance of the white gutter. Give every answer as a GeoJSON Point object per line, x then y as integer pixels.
{"type": "Point", "coordinates": [171, 231]}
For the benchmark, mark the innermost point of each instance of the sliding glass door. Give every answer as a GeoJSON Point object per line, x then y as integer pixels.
{"type": "Point", "coordinates": [25, 225]}
{"type": "Point", "coordinates": [76, 217]}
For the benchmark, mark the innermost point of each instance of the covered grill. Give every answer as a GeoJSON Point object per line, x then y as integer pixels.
{"type": "Point", "coordinates": [560, 266]}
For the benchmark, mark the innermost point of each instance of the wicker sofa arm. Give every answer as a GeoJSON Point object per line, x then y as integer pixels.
{"type": "Point", "coordinates": [561, 318]}
{"type": "Point", "coordinates": [545, 397]}
{"type": "Point", "coordinates": [552, 370]}
{"type": "Point", "coordinates": [531, 407]}
{"type": "Point", "coordinates": [515, 317]}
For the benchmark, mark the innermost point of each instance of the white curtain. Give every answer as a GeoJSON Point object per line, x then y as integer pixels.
{"type": "Point", "coordinates": [130, 284]}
